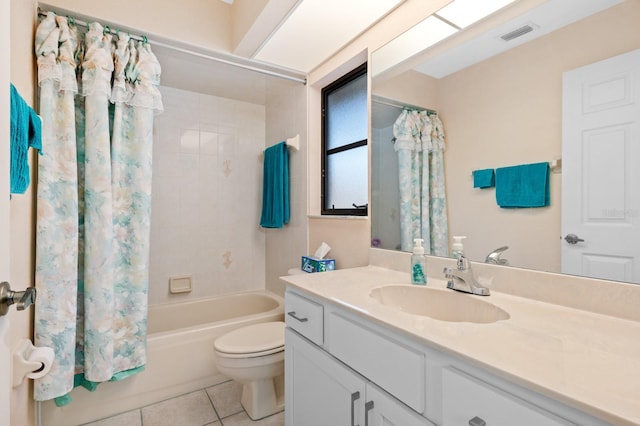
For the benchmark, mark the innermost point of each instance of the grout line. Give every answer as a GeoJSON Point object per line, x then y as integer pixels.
{"type": "Point", "coordinates": [212, 404]}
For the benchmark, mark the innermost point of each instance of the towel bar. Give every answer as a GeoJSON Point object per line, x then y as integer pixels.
{"type": "Point", "coordinates": [293, 143]}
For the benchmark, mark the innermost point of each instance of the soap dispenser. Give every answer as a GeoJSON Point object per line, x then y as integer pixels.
{"type": "Point", "coordinates": [457, 248]}
{"type": "Point", "coordinates": [418, 264]}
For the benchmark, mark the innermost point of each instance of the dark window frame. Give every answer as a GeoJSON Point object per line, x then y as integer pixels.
{"type": "Point", "coordinates": [326, 91]}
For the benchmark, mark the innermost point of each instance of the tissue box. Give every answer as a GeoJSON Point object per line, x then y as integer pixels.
{"type": "Point", "coordinates": [312, 264]}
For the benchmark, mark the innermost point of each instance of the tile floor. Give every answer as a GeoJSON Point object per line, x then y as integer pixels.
{"type": "Point", "coordinates": [217, 406]}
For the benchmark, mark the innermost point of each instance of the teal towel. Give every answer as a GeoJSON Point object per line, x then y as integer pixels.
{"type": "Point", "coordinates": [275, 187]}
{"type": "Point", "coordinates": [484, 178]}
{"type": "Point", "coordinates": [523, 186]}
{"type": "Point", "coordinates": [26, 131]}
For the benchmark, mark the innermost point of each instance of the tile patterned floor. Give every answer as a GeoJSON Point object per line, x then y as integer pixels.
{"type": "Point", "coordinates": [217, 406]}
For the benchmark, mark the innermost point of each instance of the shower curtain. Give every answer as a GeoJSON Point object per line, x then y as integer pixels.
{"type": "Point", "coordinates": [419, 142]}
{"type": "Point", "coordinates": [97, 101]}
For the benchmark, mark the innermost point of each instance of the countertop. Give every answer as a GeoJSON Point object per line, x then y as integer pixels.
{"type": "Point", "coordinates": [586, 360]}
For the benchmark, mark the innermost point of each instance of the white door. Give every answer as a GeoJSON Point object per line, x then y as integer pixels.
{"type": "Point", "coordinates": [5, 373]}
{"type": "Point", "coordinates": [601, 169]}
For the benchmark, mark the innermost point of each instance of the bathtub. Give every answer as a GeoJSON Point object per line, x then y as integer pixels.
{"type": "Point", "coordinates": [180, 356]}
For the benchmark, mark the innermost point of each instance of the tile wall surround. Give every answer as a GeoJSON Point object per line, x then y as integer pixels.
{"type": "Point", "coordinates": [207, 186]}
{"type": "Point", "coordinates": [600, 296]}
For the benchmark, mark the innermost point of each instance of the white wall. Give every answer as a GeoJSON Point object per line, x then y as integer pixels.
{"type": "Point", "coordinates": [23, 206]}
{"type": "Point", "coordinates": [5, 358]}
{"type": "Point", "coordinates": [207, 184]}
{"type": "Point", "coordinates": [287, 117]}
{"type": "Point", "coordinates": [202, 23]}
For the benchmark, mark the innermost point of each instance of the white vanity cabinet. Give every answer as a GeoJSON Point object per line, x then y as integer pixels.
{"type": "Point", "coordinates": [343, 368]}
{"type": "Point", "coordinates": [321, 390]}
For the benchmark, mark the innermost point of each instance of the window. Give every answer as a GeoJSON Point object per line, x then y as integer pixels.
{"type": "Point", "coordinates": [344, 145]}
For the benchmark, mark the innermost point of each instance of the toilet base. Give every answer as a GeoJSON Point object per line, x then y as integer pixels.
{"type": "Point", "coordinates": [271, 399]}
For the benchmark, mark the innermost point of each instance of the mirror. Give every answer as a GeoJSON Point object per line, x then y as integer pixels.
{"type": "Point", "coordinates": [502, 110]}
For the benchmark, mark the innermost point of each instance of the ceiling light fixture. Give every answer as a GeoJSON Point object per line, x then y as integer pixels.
{"type": "Point", "coordinates": [463, 13]}
{"type": "Point", "coordinates": [317, 29]}
{"type": "Point", "coordinates": [411, 42]}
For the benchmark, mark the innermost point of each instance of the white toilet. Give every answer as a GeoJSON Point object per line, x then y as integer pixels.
{"type": "Point", "coordinates": [254, 357]}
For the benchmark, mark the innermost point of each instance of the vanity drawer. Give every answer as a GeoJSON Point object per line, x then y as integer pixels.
{"type": "Point", "coordinates": [304, 316]}
{"type": "Point", "coordinates": [389, 363]}
{"type": "Point", "coordinates": [469, 401]}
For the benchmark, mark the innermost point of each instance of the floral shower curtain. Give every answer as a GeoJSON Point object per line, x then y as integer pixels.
{"type": "Point", "coordinates": [419, 142]}
{"type": "Point", "coordinates": [97, 101]}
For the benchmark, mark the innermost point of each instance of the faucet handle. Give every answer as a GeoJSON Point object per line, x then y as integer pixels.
{"type": "Point", "coordinates": [463, 263]}
{"type": "Point", "coordinates": [447, 273]}
{"type": "Point", "coordinates": [494, 256]}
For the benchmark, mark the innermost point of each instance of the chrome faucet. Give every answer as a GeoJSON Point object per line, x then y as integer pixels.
{"type": "Point", "coordinates": [462, 279]}
{"type": "Point", "coordinates": [494, 256]}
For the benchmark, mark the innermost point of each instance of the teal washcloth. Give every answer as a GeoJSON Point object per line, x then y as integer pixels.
{"type": "Point", "coordinates": [275, 187]}
{"type": "Point", "coordinates": [484, 178]}
{"type": "Point", "coordinates": [523, 186]}
{"type": "Point", "coordinates": [26, 132]}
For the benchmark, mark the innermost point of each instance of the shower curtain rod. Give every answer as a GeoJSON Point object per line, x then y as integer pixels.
{"type": "Point", "coordinates": [398, 104]}
{"type": "Point", "coordinates": [43, 12]}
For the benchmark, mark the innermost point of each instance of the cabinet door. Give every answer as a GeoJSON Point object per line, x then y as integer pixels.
{"type": "Point", "coordinates": [469, 401]}
{"type": "Point", "coordinates": [383, 410]}
{"type": "Point", "coordinates": [319, 390]}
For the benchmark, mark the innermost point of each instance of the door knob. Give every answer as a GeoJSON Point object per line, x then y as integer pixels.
{"type": "Point", "coordinates": [573, 239]}
{"type": "Point", "coordinates": [22, 299]}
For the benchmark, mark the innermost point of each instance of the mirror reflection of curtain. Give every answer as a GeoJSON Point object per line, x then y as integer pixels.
{"type": "Point", "coordinates": [419, 142]}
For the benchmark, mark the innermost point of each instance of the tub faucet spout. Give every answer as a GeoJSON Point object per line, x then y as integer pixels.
{"type": "Point", "coordinates": [462, 279]}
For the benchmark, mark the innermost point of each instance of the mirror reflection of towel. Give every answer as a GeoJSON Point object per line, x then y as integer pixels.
{"type": "Point", "coordinates": [526, 185]}
{"type": "Point", "coordinates": [275, 187]}
{"type": "Point", "coordinates": [484, 178]}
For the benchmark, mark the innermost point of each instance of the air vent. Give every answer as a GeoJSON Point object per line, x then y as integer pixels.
{"type": "Point", "coordinates": [518, 32]}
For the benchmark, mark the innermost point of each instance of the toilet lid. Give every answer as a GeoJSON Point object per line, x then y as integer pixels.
{"type": "Point", "coordinates": [263, 337]}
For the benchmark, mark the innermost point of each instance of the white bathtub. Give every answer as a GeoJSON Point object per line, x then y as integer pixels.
{"type": "Point", "coordinates": [180, 356]}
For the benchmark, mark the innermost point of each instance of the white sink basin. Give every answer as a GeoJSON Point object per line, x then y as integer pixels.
{"type": "Point", "coordinates": [443, 305]}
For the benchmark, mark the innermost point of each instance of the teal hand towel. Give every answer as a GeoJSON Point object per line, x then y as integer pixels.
{"type": "Point", "coordinates": [526, 185]}
{"type": "Point", "coordinates": [275, 187]}
{"type": "Point", "coordinates": [26, 132]}
{"type": "Point", "coordinates": [484, 178]}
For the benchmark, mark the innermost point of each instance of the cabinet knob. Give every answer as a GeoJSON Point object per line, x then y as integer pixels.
{"type": "Point", "coordinates": [477, 421]}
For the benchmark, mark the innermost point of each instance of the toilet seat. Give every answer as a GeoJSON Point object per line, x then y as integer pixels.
{"type": "Point", "coordinates": [252, 341]}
